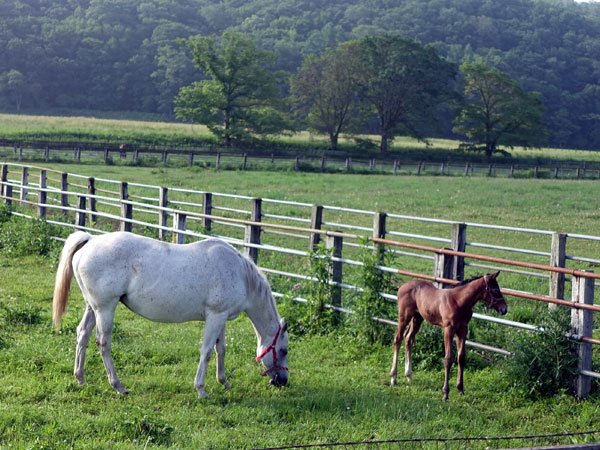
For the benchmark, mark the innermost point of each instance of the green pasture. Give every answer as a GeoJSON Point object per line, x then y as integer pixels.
{"type": "Point", "coordinates": [339, 387]}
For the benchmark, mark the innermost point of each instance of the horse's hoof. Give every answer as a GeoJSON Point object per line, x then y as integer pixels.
{"type": "Point", "coordinates": [227, 386]}
{"type": "Point", "coordinates": [393, 382]}
{"type": "Point", "coordinates": [202, 395]}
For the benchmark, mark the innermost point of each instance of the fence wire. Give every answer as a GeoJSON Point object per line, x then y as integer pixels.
{"type": "Point", "coordinates": [557, 440]}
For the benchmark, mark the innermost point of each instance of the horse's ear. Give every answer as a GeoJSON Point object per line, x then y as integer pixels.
{"type": "Point", "coordinates": [284, 327]}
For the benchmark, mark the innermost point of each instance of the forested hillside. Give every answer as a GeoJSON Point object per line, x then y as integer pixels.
{"type": "Point", "coordinates": [122, 55]}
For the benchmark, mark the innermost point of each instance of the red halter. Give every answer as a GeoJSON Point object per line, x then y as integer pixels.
{"type": "Point", "coordinates": [271, 348]}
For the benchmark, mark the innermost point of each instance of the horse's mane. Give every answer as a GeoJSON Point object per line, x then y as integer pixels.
{"type": "Point", "coordinates": [463, 282]}
{"type": "Point", "coordinates": [257, 282]}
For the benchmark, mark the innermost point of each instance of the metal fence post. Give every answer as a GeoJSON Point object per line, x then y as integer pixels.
{"type": "Point", "coordinates": [336, 243]}
{"type": "Point", "coordinates": [557, 259]}
{"type": "Point", "coordinates": [163, 216]}
{"type": "Point", "coordinates": [126, 209]}
{"type": "Point", "coordinates": [252, 234]}
{"type": "Point", "coordinates": [316, 221]}
{"type": "Point", "coordinates": [43, 195]}
{"type": "Point", "coordinates": [458, 242]}
{"type": "Point", "coordinates": [582, 323]}
{"type": "Point", "coordinates": [207, 209]}
{"type": "Point", "coordinates": [179, 220]}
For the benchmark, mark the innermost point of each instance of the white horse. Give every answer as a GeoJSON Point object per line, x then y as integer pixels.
{"type": "Point", "coordinates": [207, 280]}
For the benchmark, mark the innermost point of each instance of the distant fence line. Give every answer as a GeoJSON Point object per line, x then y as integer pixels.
{"type": "Point", "coordinates": [241, 160]}
{"type": "Point", "coordinates": [304, 230]}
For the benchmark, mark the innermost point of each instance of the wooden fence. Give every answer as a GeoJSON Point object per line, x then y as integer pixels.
{"type": "Point", "coordinates": [79, 202]}
{"type": "Point", "coordinates": [240, 160]}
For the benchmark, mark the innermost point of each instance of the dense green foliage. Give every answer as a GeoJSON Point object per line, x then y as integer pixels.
{"type": "Point", "coordinates": [123, 55]}
{"type": "Point", "coordinates": [497, 112]}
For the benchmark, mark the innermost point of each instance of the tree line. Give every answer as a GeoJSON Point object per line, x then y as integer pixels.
{"type": "Point", "coordinates": [127, 55]}
{"type": "Point", "coordinates": [390, 83]}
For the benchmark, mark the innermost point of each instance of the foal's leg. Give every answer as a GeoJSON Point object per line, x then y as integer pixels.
{"type": "Point", "coordinates": [448, 359]}
{"type": "Point", "coordinates": [402, 322]}
{"type": "Point", "coordinates": [220, 348]}
{"type": "Point", "coordinates": [212, 331]}
{"type": "Point", "coordinates": [409, 341]}
{"type": "Point", "coordinates": [105, 320]}
{"type": "Point", "coordinates": [461, 336]}
{"type": "Point", "coordinates": [84, 330]}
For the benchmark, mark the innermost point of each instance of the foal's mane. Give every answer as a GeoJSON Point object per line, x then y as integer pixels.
{"type": "Point", "coordinates": [463, 282]}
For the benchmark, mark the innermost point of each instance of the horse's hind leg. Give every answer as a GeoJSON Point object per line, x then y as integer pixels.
{"type": "Point", "coordinates": [220, 349]}
{"type": "Point", "coordinates": [105, 320]}
{"type": "Point", "coordinates": [84, 330]}
{"type": "Point", "coordinates": [409, 341]}
{"type": "Point", "coordinates": [402, 322]}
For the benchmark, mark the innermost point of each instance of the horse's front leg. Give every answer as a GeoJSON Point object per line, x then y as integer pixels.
{"type": "Point", "coordinates": [212, 330]}
{"type": "Point", "coordinates": [448, 360]}
{"type": "Point", "coordinates": [461, 336]}
{"type": "Point", "coordinates": [105, 320]}
{"type": "Point", "coordinates": [84, 330]}
{"type": "Point", "coordinates": [220, 349]}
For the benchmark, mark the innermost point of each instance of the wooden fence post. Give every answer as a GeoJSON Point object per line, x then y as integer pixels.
{"type": "Point", "coordinates": [24, 183]}
{"type": "Point", "coordinates": [163, 216]}
{"type": "Point", "coordinates": [8, 191]}
{"type": "Point", "coordinates": [179, 220]}
{"type": "Point", "coordinates": [336, 243]}
{"type": "Point", "coordinates": [126, 209]}
{"type": "Point", "coordinates": [322, 163]}
{"type": "Point", "coordinates": [582, 323]}
{"type": "Point", "coordinates": [458, 242]}
{"type": "Point", "coordinates": [207, 209]}
{"type": "Point", "coordinates": [297, 164]}
{"type": "Point", "coordinates": [105, 155]}
{"type": "Point", "coordinates": [78, 153]}
{"type": "Point", "coordinates": [47, 153]}
{"type": "Point", "coordinates": [419, 168]}
{"type": "Point", "coordinates": [136, 156]}
{"type": "Point", "coordinates": [395, 169]}
{"type": "Point", "coordinates": [43, 195]}
{"type": "Point", "coordinates": [316, 220]}
{"type": "Point", "coordinates": [348, 162]}
{"type": "Point", "coordinates": [442, 169]}
{"type": "Point", "coordinates": [81, 213]}
{"type": "Point", "coordinates": [252, 234]}
{"type": "Point", "coordinates": [379, 219]}
{"type": "Point", "coordinates": [3, 178]}
{"type": "Point", "coordinates": [91, 190]}
{"type": "Point", "coordinates": [64, 188]}
{"type": "Point", "coordinates": [164, 158]}
{"type": "Point", "coordinates": [218, 160]}
{"type": "Point", "coordinates": [244, 161]}
{"type": "Point", "coordinates": [20, 153]}
{"type": "Point", "coordinates": [191, 159]}
{"type": "Point", "coordinates": [442, 268]}
{"type": "Point", "coordinates": [557, 259]}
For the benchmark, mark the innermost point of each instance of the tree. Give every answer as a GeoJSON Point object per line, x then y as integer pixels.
{"type": "Point", "coordinates": [324, 91]}
{"type": "Point", "coordinates": [498, 112]}
{"type": "Point", "coordinates": [241, 94]}
{"type": "Point", "coordinates": [404, 84]}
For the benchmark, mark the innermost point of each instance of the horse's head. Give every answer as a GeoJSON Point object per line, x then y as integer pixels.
{"type": "Point", "coordinates": [493, 298]}
{"type": "Point", "coordinates": [274, 357]}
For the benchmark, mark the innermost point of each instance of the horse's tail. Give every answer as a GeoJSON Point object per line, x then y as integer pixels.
{"type": "Point", "coordinates": [64, 274]}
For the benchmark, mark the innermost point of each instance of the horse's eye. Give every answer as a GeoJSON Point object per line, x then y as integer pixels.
{"type": "Point", "coordinates": [283, 351]}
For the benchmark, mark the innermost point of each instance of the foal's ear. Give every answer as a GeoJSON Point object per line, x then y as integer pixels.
{"type": "Point", "coordinates": [494, 275]}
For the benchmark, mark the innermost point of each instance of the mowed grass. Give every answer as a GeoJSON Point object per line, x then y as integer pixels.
{"type": "Point", "coordinates": [339, 390]}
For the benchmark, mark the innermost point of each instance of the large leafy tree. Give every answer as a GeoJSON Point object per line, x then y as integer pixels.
{"type": "Point", "coordinates": [404, 83]}
{"type": "Point", "coordinates": [498, 112]}
{"type": "Point", "coordinates": [241, 93]}
{"type": "Point", "coordinates": [324, 91]}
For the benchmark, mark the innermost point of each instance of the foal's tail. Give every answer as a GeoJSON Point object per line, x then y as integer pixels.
{"type": "Point", "coordinates": [64, 274]}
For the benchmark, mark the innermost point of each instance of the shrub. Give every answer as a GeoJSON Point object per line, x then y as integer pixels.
{"type": "Point", "coordinates": [19, 237]}
{"type": "Point", "coordinates": [543, 362]}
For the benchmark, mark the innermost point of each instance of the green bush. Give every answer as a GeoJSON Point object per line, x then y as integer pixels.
{"type": "Point", "coordinates": [543, 362]}
{"type": "Point", "coordinates": [20, 236]}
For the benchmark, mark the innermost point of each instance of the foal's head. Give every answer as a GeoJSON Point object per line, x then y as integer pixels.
{"type": "Point", "coordinates": [492, 297]}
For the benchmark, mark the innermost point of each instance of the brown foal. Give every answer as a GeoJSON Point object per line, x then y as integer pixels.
{"type": "Point", "coordinates": [450, 309]}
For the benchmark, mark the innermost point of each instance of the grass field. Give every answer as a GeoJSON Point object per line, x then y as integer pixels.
{"type": "Point", "coordinates": [339, 388]}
